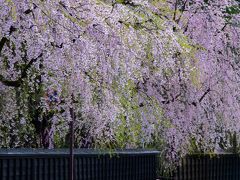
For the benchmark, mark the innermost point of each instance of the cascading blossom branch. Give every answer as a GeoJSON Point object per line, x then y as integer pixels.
{"type": "Point", "coordinates": [205, 115]}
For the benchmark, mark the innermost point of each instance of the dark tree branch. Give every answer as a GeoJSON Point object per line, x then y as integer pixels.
{"type": "Point", "coordinates": [18, 82]}
{"type": "Point", "coordinates": [56, 45]}
{"type": "Point", "coordinates": [182, 10]}
{"type": "Point", "coordinates": [126, 2]}
{"type": "Point", "coordinates": [24, 72]}
{"type": "Point", "coordinates": [201, 98]}
{"type": "Point", "coordinates": [2, 43]}
{"type": "Point", "coordinates": [204, 94]}
{"type": "Point", "coordinates": [175, 10]}
{"type": "Point", "coordinates": [6, 82]}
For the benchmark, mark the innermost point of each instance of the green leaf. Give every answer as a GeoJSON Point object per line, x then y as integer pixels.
{"type": "Point", "coordinates": [120, 1]}
{"type": "Point", "coordinates": [233, 10]}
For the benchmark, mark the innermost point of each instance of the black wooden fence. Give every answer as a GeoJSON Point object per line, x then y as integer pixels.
{"type": "Point", "coordinates": [89, 165]}
{"type": "Point", "coordinates": [208, 167]}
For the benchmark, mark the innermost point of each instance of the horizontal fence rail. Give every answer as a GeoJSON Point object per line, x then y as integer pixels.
{"type": "Point", "coordinates": [209, 167]}
{"type": "Point", "coordinates": [89, 165]}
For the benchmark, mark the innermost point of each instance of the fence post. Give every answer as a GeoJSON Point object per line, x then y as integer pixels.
{"type": "Point", "coordinates": [71, 128]}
